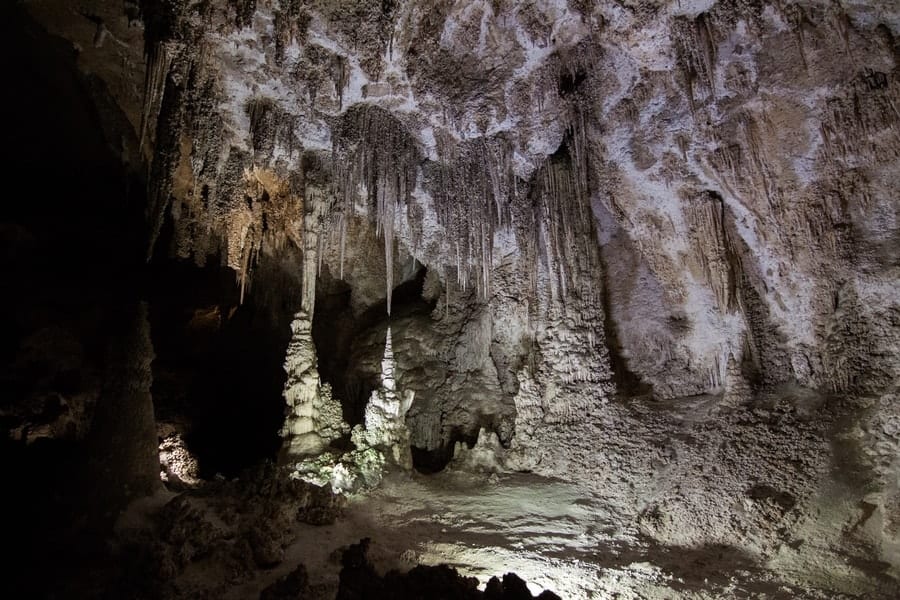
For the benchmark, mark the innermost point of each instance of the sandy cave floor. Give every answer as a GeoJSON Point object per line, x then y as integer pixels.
{"type": "Point", "coordinates": [551, 533]}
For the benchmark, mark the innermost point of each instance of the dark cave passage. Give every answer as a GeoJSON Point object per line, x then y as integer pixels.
{"type": "Point", "coordinates": [429, 462]}
{"type": "Point", "coordinates": [71, 240]}
{"type": "Point", "coordinates": [218, 374]}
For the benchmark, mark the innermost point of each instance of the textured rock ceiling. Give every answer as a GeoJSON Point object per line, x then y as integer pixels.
{"type": "Point", "coordinates": [652, 199]}
{"type": "Point", "coordinates": [736, 160]}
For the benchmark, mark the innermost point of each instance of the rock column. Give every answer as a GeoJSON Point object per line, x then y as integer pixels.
{"type": "Point", "coordinates": [314, 418]}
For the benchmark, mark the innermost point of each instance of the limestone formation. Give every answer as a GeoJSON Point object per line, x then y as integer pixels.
{"type": "Point", "coordinates": [649, 249]}
{"type": "Point", "coordinates": [314, 417]}
{"type": "Point", "coordinates": [381, 443]}
{"type": "Point", "coordinates": [385, 419]}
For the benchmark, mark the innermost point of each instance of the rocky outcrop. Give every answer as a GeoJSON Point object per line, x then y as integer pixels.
{"type": "Point", "coordinates": [209, 540]}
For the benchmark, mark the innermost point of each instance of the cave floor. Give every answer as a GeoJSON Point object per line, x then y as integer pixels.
{"type": "Point", "coordinates": [553, 534]}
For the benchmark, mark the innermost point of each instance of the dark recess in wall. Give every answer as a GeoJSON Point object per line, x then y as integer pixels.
{"type": "Point", "coordinates": [71, 232]}
{"type": "Point", "coordinates": [433, 461]}
{"type": "Point", "coordinates": [218, 370]}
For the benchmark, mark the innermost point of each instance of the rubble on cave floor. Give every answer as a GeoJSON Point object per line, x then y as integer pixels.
{"type": "Point", "coordinates": [552, 534]}
{"type": "Point", "coordinates": [264, 535]}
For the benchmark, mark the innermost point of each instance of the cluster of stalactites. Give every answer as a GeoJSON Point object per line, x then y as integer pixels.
{"type": "Point", "coordinates": [159, 64]}
{"type": "Point", "coordinates": [713, 249]}
{"type": "Point", "coordinates": [373, 153]}
{"type": "Point", "coordinates": [560, 221]}
{"type": "Point", "coordinates": [160, 59]}
{"type": "Point", "coordinates": [476, 194]}
{"type": "Point", "coordinates": [474, 186]}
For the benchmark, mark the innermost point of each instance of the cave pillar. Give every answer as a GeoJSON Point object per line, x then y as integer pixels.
{"type": "Point", "coordinates": [313, 417]}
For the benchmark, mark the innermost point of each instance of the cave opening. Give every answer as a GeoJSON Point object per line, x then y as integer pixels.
{"type": "Point", "coordinates": [429, 462]}
{"type": "Point", "coordinates": [218, 372]}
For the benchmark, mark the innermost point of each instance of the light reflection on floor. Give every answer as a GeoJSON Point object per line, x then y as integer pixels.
{"type": "Point", "coordinates": [550, 533]}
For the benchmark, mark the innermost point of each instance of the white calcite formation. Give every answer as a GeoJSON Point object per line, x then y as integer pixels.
{"type": "Point", "coordinates": [314, 417]}
{"type": "Point", "coordinates": [385, 420]}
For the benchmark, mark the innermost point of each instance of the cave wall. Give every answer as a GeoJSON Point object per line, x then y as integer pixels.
{"type": "Point", "coordinates": [744, 150]}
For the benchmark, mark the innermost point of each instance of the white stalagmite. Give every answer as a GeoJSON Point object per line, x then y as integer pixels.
{"type": "Point", "coordinates": [387, 366]}
{"type": "Point", "coordinates": [386, 414]}
{"type": "Point", "coordinates": [314, 417]}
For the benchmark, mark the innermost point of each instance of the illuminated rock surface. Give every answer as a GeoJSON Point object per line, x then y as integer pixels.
{"type": "Point", "coordinates": [605, 294]}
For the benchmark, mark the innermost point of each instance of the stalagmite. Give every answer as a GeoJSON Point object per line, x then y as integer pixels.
{"type": "Point", "coordinates": [385, 417]}
{"type": "Point", "coordinates": [314, 416]}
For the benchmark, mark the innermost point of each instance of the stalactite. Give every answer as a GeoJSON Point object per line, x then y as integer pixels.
{"type": "Point", "coordinates": [797, 19]}
{"type": "Point", "coordinates": [342, 234]}
{"type": "Point", "coordinates": [372, 151]}
{"type": "Point", "coordinates": [714, 249]}
{"type": "Point", "coordinates": [558, 228]}
{"type": "Point", "coordinates": [473, 184]}
{"type": "Point", "coordinates": [866, 107]}
{"type": "Point", "coordinates": [159, 64]}
{"type": "Point", "coordinates": [695, 51]}
{"type": "Point", "coordinates": [166, 112]}
{"type": "Point", "coordinates": [387, 213]}
{"type": "Point", "coordinates": [764, 179]}
{"type": "Point", "coordinates": [245, 266]}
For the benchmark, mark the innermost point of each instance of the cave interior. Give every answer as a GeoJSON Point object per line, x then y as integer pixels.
{"type": "Point", "coordinates": [466, 299]}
